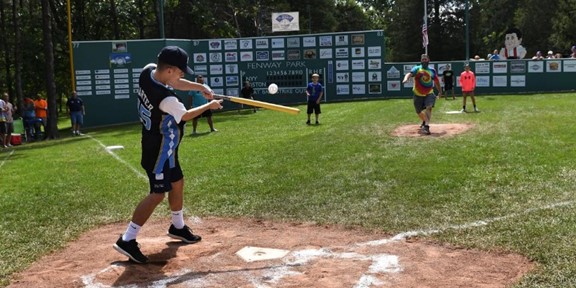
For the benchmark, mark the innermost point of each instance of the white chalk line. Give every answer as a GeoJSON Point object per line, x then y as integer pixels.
{"type": "Point", "coordinates": [6, 158]}
{"type": "Point", "coordinates": [408, 234]}
{"type": "Point", "coordinates": [136, 171]}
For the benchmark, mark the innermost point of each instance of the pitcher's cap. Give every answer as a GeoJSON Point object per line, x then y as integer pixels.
{"type": "Point", "coordinates": [175, 56]}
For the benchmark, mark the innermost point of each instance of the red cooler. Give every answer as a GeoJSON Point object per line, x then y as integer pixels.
{"type": "Point", "coordinates": [16, 139]}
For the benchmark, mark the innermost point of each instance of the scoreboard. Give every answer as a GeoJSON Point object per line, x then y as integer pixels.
{"type": "Point", "coordinates": [349, 64]}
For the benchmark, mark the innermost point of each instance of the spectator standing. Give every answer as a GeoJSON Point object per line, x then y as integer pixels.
{"type": "Point", "coordinates": [550, 55]}
{"type": "Point", "coordinates": [3, 136]}
{"type": "Point", "coordinates": [198, 100]}
{"type": "Point", "coordinates": [538, 56]}
{"type": "Point", "coordinates": [573, 54]}
{"type": "Point", "coordinates": [314, 93]}
{"type": "Point", "coordinates": [495, 56]}
{"type": "Point", "coordinates": [247, 92]}
{"type": "Point", "coordinates": [9, 119]}
{"type": "Point", "coordinates": [75, 106]}
{"type": "Point", "coordinates": [425, 78]}
{"type": "Point", "coordinates": [29, 117]}
{"type": "Point", "coordinates": [448, 79]}
{"type": "Point", "coordinates": [468, 84]}
{"type": "Point", "coordinates": [41, 110]}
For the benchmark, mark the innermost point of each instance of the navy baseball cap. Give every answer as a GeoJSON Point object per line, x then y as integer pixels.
{"type": "Point", "coordinates": [175, 56]}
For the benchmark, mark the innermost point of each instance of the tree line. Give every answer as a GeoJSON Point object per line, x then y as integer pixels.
{"type": "Point", "coordinates": [34, 38]}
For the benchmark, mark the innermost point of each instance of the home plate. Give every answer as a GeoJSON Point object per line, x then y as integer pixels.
{"type": "Point", "coordinates": [251, 254]}
{"type": "Point", "coordinates": [454, 112]}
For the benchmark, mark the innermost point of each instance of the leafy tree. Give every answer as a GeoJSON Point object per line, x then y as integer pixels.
{"type": "Point", "coordinates": [352, 17]}
{"type": "Point", "coordinates": [563, 32]}
{"type": "Point", "coordinates": [535, 22]}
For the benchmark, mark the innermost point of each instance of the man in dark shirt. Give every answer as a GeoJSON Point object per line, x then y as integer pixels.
{"type": "Point", "coordinates": [448, 79]}
{"type": "Point", "coordinates": [75, 107]}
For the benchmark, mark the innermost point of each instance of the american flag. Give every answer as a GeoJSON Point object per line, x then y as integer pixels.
{"type": "Point", "coordinates": [424, 35]}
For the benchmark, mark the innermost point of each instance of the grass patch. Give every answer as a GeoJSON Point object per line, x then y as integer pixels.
{"type": "Point", "coordinates": [516, 160]}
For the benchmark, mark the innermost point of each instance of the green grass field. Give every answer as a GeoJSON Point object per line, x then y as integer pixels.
{"type": "Point", "coordinates": [514, 169]}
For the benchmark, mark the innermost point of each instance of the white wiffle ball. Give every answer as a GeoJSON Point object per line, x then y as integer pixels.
{"type": "Point", "coordinates": [273, 88]}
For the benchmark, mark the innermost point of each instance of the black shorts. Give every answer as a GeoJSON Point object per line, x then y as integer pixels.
{"type": "Point", "coordinates": [206, 113]}
{"type": "Point", "coordinates": [313, 107]}
{"type": "Point", "coordinates": [2, 127]}
{"type": "Point", "coordinates": [448, 86]}
{"type": "Point", "coordinates": [161, 183]}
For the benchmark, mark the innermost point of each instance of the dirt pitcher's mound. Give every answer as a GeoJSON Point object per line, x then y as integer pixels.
{"type": "Point", "coordinates": [436, 130]}
{"type": "Point", "coordinates": [319, 256]}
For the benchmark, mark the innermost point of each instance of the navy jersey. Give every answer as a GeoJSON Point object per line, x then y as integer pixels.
{"type": "Point", "coordinates": [160, 132]}
{"type": "Point", "coordinates": [75, 104]}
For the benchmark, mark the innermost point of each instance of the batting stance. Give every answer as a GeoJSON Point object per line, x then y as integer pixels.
{"type": "Point", "coordinates": [425, 78]}
{"type": "Point", "coordinates": [163, 116]}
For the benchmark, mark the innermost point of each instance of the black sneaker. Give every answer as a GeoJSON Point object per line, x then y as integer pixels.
{"type": "Point", "coordinates": [184, 234]}
{"type": "Point", "coordinates": [427, 129]}
{"type": "Point", "coordinates": [308, 122]}
{"type": "Point", "coordinates": [317, 123]}
{"type": "Point", "coordinates": [130, 249]}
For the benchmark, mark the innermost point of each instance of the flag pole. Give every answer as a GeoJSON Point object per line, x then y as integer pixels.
{"type": "Point", "coordinates": [426, 25]}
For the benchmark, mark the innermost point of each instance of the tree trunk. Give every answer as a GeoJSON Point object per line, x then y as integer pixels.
{"type": "Point", "coordinates": [17, 55]}
{"type": "Point", "coordinates": [52, 123]}
{"type": "Point", "coordinates": [6, 49]}
{"type": "Point", "coordinates": [114, 15]}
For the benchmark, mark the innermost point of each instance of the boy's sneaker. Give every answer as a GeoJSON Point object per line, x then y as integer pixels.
{"type": "Point", "coordinates": [463, 111]}
{"type": "Point", "coordinates": [130, 249]}
{"type": "Point", "coordinates": [317, 123]}
{"type": "Point", "coordinates": [308, 122]}
{"type": "Point", "coordinates": [476, 110]}
{"type": "Point", "coordinates": [184, 234]}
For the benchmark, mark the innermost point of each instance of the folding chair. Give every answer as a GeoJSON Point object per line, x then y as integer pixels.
{"type": "Point", "coordinates": [19, 129]}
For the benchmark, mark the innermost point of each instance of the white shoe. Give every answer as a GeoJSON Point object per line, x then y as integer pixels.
{"type": "Point", "coordinates": [476, 110]}
{"type": "Point", "coordinates": [463, 111]}
{"type": "Point", "coordinates": [214, 130]}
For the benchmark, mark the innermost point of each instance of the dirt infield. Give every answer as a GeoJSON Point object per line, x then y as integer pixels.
{"type": "Point", "coordinates": [319, 256]}
{"type": "Point", "coordinates": [436, 130]}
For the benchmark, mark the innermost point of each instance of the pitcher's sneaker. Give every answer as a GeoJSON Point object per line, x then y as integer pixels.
{"type": "Point", "coordinates": [130, 249]}
{"type": "Point", "coordinates": [476, 110]}
{"type": "Point", "coordinates": [427, 129]}
{"type": "Point", "coordinates": [184, 234]}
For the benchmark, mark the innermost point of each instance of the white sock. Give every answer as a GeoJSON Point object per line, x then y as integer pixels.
{"type": "Point", "coordinates": [131, 232]}
{"type": "Point", "coordinates": [178, 219]}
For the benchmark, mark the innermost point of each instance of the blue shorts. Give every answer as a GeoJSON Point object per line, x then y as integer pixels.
{"type": "Point", "coordinates": [162, 182]}
{"type": "Point", "coordinates": [77, 117]}
{"type": "Point", "coordinates": [423, 102]}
